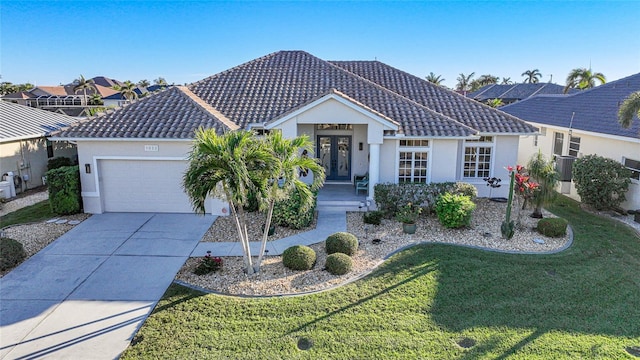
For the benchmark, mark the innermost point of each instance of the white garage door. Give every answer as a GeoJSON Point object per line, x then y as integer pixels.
{"type": "Point", "coordinates": [143, 186]}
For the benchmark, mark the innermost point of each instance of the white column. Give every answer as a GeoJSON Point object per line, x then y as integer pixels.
{"type": "Point", "coordinates": [374, 167]}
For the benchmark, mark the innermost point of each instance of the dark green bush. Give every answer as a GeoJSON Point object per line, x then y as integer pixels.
{"type": "Point", "coordinates": [64, 190]}
{"type": "Point", "coordinates": [288, 213]}
{"type": "Point", "coordinates": [339, 264]}
{"type": "Point", "coordinates": [299, 257]}
{"type": "Point", "coordinates": [390, 196]}
{"type": "Point", "coordinates": [552, 227]}
{"type": "Point", "coordinates": [58, 162]}
{"type": "Point", "coordinates": [342, 242]}
{"type": "Point", "coordinates": [601, 182]}
{"type": "Point", "coordinates": [454, 211]}
{"type": "Point", "coordinates": [208, 264]}
{"type": "Point", "coordinates": [11, 253]}
{"type": "Point", "coordinates": [372, 217]}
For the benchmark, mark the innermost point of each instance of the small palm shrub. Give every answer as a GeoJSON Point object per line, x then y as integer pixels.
{"type": "Point", "coordinates": [342, 242]}
{"type": "Point", "coordinates": [454, 211]}
{"type": "Point", "coordinates": [11, 253]}
{"type": "Point", "coordinates": [372, 217]}
{"type": "Point", "coordinates": [339, 264]}
{"type": "Point", "coordinates": [299, 257]}
{"type": "Point", "coordinates": [553, 227]}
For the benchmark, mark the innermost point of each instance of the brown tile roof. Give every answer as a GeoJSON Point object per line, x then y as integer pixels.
{"type": "Point", "coordinates": [267, 88]}
{"type": "Point", "coordinates": [449, 103]}
{"type": "Point", "coordinates": [53, 90]}
{"type": "Point", "coordinates": [170, 114]}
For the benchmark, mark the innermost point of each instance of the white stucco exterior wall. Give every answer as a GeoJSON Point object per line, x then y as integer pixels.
{"type": "Point", "coordinates": [613, 147]}
{"type": "Point", "coordinates": [29, 157]}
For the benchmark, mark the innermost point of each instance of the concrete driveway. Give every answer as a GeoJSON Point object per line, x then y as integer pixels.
{"type": "Point", "coordinates": [86, 294]}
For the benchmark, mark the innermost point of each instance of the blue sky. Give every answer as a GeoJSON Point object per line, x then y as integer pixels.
{"type": "Point", "coordinates": [52, 42]}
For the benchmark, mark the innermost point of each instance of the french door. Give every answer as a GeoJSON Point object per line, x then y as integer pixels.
{"type": "Point", "coordinates": [334, 152]}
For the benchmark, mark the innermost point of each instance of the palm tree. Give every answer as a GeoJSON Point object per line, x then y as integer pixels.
{"type": "Point", "coordinates": [128, 90]}
{"type": "Point", "coordinates": [160, 81]}
{"type": "Point", "coordinates": [583, 78]}
{"type": "Point", "coordinates": [83, 84]}
{"type": "Point", "coordinates": [495, 103]}
{"type": "Point", "coordinates": [284, 176]}
{"type": "Point", "coordinates": [96, 99]}
{"type": "Point", "coordinates": [506, 81]}
{"type": "Point", "coordinates": [532, 76]}
{"type": "Point", "coordinates": [8, 88]}
{"type": "Point", "coordinates": [434, 79]}
{"type": "Point", "coordinates": [464, 82]}
{"type": "Point", "coordinates": [629, 108]}
{"type": "Point", "coordinates": [144, 83]}
{"type": "Point", "coordinates": [228, 166]}
{"type": "Point", "coordinates": [483, 80]}
{"type": "Point", "coordinates": [545, 174]}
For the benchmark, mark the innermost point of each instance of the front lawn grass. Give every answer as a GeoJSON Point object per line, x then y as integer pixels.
{"type": "Point", "coordinates": [36, 212]}
{"type": "Point", "coordinates": [423, 302]}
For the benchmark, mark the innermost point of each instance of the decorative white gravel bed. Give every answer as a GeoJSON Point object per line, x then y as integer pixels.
{"type": "Point", "coordinates": [275, 279]}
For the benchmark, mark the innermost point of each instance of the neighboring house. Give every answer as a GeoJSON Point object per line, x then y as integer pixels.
{"type": "Point", "coordinates": [581, 124]}
{"type": "Point", "coordinates": [516, 92]}
{"type": "Point", "coordinates": [363, 116]}
{"type": "Point", "coordinates": [24, 149]}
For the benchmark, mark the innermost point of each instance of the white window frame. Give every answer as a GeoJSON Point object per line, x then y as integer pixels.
{"type": "Point", "coordinates": [483, 143]}
{"type": "Point", "coordinates": [414, 146]}
{"type": "Point", "coordinates": [574, 152]}
{"type": "Point", "coordinates": [624, 162]}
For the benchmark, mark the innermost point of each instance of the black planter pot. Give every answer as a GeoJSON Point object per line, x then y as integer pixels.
{"type": "Point", "coordinates": [272, 229]}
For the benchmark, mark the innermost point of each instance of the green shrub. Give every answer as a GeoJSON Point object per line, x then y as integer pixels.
{"type": "Point", "coordinates": [58, 162]}
{"type": "Point", "coordinates": [64, 190]}
{"type": "Point", "coordinates": [342, 242]}
{"type": "Point", "coordinates": [552, 227]}
{"type": "Point", "coordinates": [372, 217]}
{"type": "Point", "coordinates": [11, 253]}
{"type": "Point", "coordinates": [339, 264]}
{"type": "Point", "coordinates": [208, 264]}
{"type": "Point", "coordinates": [299, 257]}
{"type": "Point", "coordinates": [390, 196]}
{"type": "Point", "coordinates": [601, 182]}
{"type": "Point", "coordinates": [289, 212]}
{"type": "Point", "coordinates": [454, 211]}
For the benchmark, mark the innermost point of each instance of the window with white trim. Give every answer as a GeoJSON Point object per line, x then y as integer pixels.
{"type": "Point", "coordinates": [477, 157]}
{"type": "Point", "coordinates": [574, 146]}
{"type": "Point", "coordinates": [414, 161]}
{"type": "Point", "coordinates": [634, 166]}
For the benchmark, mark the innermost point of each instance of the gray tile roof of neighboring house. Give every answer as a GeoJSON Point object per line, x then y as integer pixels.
{"type": "Point", "coordinates": [170, 114]}
{"type": "Point", "coordinates": [266, 89]}
{"type": "Point", "coordinates": [437, 98]}
{"type": "Point", "coordinates": [595, 109]}
{"type": "Point", "coordinates": [516, 92]}
{"type": "Point", "coordinates": [23, 122]}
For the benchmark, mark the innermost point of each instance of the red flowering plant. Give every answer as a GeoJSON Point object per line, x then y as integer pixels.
{"type": "Point", "coordinates": [208, 264]}
{"type": "Point", "coordinates": [522, 185]}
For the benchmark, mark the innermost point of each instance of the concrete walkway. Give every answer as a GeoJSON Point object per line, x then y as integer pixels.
{"type": "Point", "coordinates": [329, 222]}
{"type": "Point", "coordinates": [87, 293]}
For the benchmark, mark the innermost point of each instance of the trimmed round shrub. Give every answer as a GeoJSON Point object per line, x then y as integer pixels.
{"type": "Point", "coordinates": [552, 227]}
{"type": "Point", "coordinates": [372, 217]}
{"type": "Point", "coordinates": [454, 211]}
{"type": "Point", "coordinates": [601, 182]}
{"type": "Point", "coordinates": [339, 264]}
{"type": "Point", "coordinates": [11, 253]}
{"type": "Point", "coordinates": [342, 242]}
{"type": "Point", "coordinates": [299, 257]}
{"type": "Point", "coordinates": [463, 188]}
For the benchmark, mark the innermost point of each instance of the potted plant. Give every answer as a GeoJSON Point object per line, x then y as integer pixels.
{"type": "Point", "coordinates": [408, 215]}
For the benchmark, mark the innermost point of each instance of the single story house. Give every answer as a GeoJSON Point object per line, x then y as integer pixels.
{"type": "Point", "coordinates": [363, 116]}
{"type": "Point", "coordinates": [24, 149]}
{"type": "Point", "coordinates": [580, 124]}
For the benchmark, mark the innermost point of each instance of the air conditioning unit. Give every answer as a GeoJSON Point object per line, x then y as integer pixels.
{"type": "Point", "coordinates": [564, 165]}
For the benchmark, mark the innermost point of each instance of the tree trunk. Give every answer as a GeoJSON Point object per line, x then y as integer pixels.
{"type": "Point", "coordinates": [265, 236]}
{"type": "Point", "coordinates": [244, 240]}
